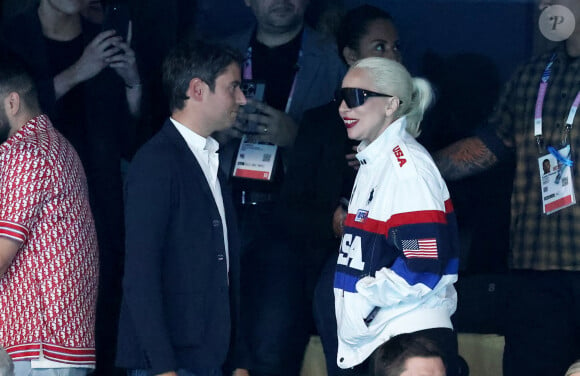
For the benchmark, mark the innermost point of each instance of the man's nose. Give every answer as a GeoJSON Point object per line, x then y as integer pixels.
{"type": "Point", "coordinates": [240, 97]}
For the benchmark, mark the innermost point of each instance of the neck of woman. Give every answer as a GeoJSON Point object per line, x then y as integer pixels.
{"type": "Point", "coordinates": [57, 25]}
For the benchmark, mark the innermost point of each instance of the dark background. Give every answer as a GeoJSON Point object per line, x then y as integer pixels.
{"type": "Point", "coordinates": [466, 48]}
{"type": "Point", "coordinates": [503, 30]}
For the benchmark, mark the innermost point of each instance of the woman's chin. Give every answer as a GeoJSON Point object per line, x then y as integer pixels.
{"type": "Point", "coordinates": [352, 134]}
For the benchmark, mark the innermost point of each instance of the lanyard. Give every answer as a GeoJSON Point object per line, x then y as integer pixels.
{"type": "Point", "coordinates": [565, 160]}
{"type": "Point", "coordinates": [248, 73]}
{"type": "Point", "coordinates": [540, 103]}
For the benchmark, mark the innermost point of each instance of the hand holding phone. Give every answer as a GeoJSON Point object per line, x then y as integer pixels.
{"type": "Point", "coordinates": [253, 90]}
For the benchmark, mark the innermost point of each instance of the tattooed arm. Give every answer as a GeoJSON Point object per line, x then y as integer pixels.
{"type": "Point", "coordinates": [464, 158]}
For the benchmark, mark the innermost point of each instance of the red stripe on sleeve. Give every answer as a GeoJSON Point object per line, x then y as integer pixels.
{"type": "Point", "coordinates": [13, 230]}
{"type": "Point", "coordinates": [449, 206]}
{"type": "Point", "coordinates": [411, 218]}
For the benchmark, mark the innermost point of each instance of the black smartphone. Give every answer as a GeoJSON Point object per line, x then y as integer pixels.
{"type": "Point", "coordinates": [252, 89]}
{"type": "Point", "coordinates": [117, 18]}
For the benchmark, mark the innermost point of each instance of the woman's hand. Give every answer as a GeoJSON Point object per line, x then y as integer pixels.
{"type": "Point", "coordinates": [338, 221]}
{"type": "Point", "coordinates": [125, 63]}
{"type": "Point", "coordinates": [96, 55]}
{"type": "Point", "coordinates": [93, 60]}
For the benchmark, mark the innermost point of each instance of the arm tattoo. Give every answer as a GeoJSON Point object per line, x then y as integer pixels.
{"type": "Point", "coordinates": [464, 158]}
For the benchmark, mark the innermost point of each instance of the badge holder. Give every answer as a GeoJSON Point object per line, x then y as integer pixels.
{"type": "Point", "coordinates": [556, 180]}
{"type": "Point", "coordinates": [255, 160]}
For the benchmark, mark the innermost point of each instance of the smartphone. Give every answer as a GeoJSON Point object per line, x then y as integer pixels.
{"type": "Point", "coordinates": [252, 89]}
{"type": "Point", "coordinates": [117, 18]}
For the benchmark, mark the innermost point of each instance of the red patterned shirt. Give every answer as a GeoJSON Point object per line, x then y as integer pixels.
{"type": "Point", "coordinates": [48, 295]}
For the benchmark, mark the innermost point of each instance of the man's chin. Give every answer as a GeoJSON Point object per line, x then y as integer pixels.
{"type": "Point", "coordinates": [227, 126]}
{"type": "Point", "coordinates": [285, 21]}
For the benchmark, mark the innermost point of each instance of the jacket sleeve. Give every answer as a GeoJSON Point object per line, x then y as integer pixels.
{"type": "Point", "coordinates": [424, 235]}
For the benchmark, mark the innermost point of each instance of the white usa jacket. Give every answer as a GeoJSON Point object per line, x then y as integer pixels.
{"type": "Point", "coordinates": [399, 253]}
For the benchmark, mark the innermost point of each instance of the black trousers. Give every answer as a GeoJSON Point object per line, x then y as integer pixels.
{"type": "Point", "coordinates": [274, 328]}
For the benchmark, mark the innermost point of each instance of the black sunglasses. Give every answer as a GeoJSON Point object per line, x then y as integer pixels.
{"type": "Point", "coordinates": [354, 97]}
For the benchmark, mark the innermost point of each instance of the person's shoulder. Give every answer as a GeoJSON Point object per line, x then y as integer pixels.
{"type": "Point", "coordinates": [410, 160]}
{"type": "Point", "coordinates": [320, 43]}
{"type": "Point", "coordinates": [159, 143]}
{"type": "Point", "coordinates": [32, 146]}
{"type": "Point", "coordinates": [160, 150]}
{"type": "Point", "coordinates": [539, 61]}
{"type": "Point", "coordinates": [320, 47]}
{"type": "Point", "coordinates": [47, 142]}
{"type": "Point", "coordinates": [558, 52]}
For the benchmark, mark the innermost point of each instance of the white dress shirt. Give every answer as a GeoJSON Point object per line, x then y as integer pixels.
{"type": "Point", "coordinates": [205, 151]}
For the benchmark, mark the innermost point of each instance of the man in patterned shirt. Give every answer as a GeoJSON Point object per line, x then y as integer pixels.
{"type": "Point", "coordinates": [544, 299]}
{"type": "Point", "coordinates": [48, 247]}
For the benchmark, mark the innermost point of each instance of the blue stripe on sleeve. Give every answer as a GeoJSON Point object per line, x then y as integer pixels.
{"type": "Point", "coordinates": [426, 278]}
{"type": "Point", "coordinates": [345, 282]}
{"type": "Point", "coordinates": [412, 278]}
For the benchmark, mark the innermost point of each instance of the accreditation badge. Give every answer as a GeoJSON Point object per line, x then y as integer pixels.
{"type": "Point", "coordinates": [255, 160]}
{"type": "Point", "coordinates": [556, 182]}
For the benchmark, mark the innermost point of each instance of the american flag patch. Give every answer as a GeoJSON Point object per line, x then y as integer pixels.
{"type": "Point", "coordinates": [420, 248]}
{"type": "Point", "coordinates": [361, 215]}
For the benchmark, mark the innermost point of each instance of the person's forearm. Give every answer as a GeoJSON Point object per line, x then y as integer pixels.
{"type": "Point", "coordinates": [8, 250]}
{"type": "Point", "coordinates": [464, 158]}
{"type": "Point", "coordinates": [65, 81]}
{"type": "Point", "coordinates": [134, 94]}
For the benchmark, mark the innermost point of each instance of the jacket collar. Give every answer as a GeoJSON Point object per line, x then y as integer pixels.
{"type": "Point", "coordinates": [377, 150]}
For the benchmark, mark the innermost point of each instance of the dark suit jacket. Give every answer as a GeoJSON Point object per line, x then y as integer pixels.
{"type": "Point", "coordinates": [178, 303]}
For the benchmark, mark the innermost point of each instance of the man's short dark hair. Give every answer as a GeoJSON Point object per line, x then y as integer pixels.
{"type": "Point", "coordinates": [191, 59]}
{"type": "Point", "coordinates": [390, 358]}
{"type": "Point", "coordinates": [14, 77]}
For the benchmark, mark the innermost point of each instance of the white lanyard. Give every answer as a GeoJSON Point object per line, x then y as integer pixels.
{"type": "Point", "coordinates": [540, 103]}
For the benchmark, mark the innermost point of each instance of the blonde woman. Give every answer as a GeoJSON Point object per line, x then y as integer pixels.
{"type": "Point", "coordinates": [398, 258]}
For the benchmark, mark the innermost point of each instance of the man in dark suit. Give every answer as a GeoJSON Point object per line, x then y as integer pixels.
{"type": "Point", "coordinates": [182, 258]}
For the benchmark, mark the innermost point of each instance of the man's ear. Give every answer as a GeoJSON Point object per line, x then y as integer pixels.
{"type": "Point", "coordinates": [349, 55]}
{"type": "Point", "coordinates": [392, 106]}
{"type": "Point", "coordinates": [12, 104]}
{"type": "Point", "coordinates": [196, 89]}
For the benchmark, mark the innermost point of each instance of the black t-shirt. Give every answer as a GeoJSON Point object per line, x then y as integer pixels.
{"type": "Point", "coordinates": [69, 118]}
{"type": "Point", "coordinates": [277, 67]}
